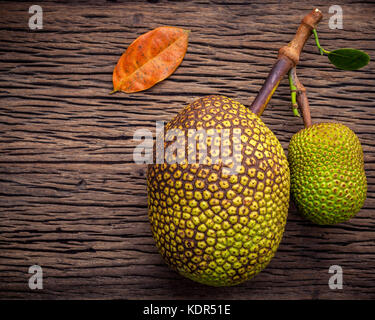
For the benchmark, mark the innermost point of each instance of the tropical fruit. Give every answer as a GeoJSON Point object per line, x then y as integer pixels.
{"type": "Point", "coordinates": [211, 224]}
{"type": "Point", "coordinates": [328, 181]}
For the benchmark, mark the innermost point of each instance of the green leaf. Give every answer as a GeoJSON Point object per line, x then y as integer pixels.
{"type": "Point", "coordinates": [348, 59]}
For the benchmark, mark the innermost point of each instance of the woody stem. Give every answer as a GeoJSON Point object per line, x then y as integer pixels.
{"type": "Point", "coordinates": [302, 101]}
{"type": "Point", "coordinates": [288, 58]}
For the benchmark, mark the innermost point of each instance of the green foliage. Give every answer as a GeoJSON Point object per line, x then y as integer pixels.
{"type": "Point", "coordinates": [348, 59]}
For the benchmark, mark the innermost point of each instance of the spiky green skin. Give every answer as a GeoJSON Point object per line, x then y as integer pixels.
{"type": "Point", "coordinates": [328, 181]}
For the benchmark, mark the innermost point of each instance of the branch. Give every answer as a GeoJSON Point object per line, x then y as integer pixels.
{"type": "Point", "coordinates": [302, 101]}
{"type": "Point", "coordinates": [288, 58]}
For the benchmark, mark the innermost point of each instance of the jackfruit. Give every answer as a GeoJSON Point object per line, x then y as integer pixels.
{"type": "Point", "coordinates": [328, 181]}
{"type": "Point", "coordinates": [213, 225]}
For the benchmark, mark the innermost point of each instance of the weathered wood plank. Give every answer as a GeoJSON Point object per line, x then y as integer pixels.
{"type": "Point", "coordinates": [73, 201]}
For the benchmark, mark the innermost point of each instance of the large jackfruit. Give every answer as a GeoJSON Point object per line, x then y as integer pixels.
{"type": "Point", "coordinates": [211, 224]}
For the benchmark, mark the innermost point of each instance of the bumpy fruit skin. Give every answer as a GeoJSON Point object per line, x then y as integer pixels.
{"type": "Point", "coordinates": [328, 181]}
{"type": "Point", "coordinates": [212, 227]}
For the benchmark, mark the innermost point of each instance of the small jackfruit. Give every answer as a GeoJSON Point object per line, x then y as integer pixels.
{"type": "Point", "coordinates": [328, 181]}
{"type": "Point", "coordinates": [212, 226]}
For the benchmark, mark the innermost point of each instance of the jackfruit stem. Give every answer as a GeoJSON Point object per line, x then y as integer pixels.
{"type": "Point", "coordinates": [293, 94]}
{"type": "Point", "coordinates": [302, 101]}
{"type": "Point", "coordinates": [288, 58]}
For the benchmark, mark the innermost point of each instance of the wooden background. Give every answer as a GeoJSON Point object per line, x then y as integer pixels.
{"type": "Point", "coordinates": [73, 201]}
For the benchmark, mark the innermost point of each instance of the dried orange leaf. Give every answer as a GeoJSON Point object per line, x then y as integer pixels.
{"type": "Point", "coordinates": [151, 58]}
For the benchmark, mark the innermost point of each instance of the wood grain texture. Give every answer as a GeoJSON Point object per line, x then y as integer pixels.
{"type": "Point", "coordinates": [73, 201]}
